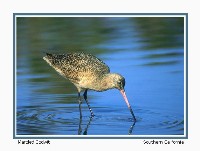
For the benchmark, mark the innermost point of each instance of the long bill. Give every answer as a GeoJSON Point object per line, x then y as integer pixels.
{"type": "Point", "coordinates": [128, 104]}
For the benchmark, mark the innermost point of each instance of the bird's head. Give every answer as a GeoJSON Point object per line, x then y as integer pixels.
{"type": "Point", "coordinates": [118, 81]}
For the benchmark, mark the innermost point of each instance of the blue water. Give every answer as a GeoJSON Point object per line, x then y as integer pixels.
{"type": "Point", "coordinates": [46, 103]}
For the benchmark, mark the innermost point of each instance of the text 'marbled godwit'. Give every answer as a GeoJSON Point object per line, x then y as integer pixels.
{"type": "Point", "coordinates": [87, 72]}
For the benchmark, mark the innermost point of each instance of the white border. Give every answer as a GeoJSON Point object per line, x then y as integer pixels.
{"type": "Point", "coordinates": [106, 15]}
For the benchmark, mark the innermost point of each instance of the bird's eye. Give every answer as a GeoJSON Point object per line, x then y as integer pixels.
{"type": "Point", "coordinates": [118, 83]}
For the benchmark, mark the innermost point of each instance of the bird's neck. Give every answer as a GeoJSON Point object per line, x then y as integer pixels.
{"type": "Point", "coordinates": [106, 82]}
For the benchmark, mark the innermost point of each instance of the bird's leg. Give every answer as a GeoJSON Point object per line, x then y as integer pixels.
{"type": "Point", "coordinates": [79, 127]}
{"type": "Point", "coordinates": [80, 102]}
{"type": "Point", "coordinates": [85, 97]}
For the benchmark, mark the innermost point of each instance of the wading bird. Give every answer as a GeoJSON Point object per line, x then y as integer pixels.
{"type": "Point", "coordinates": [87, 72]}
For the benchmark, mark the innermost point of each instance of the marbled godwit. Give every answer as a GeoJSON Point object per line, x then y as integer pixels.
{"type": "Point", "coordinates": [86, 71]}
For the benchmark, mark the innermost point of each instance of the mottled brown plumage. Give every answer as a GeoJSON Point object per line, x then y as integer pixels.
{"type": "Point", "coordinates": [86, 71]}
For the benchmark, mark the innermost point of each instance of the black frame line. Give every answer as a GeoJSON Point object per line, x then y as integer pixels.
{"type": "Point", "coordinates": [15, 15]}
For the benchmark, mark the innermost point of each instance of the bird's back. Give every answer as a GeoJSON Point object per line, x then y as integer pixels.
{"type": "Point", "coordinates": [77, 66]}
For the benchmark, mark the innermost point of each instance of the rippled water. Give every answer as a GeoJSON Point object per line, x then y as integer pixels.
{"type": "Point", "coordinates": [46, 103]}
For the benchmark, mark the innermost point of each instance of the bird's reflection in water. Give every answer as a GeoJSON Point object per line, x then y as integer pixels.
{"type": "Point", "coordinates": [86, 128]}
{"type": "Point", "coordinates": [89, 122]}
{"type": "Point", "coordinates": [131, 129]}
